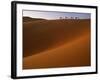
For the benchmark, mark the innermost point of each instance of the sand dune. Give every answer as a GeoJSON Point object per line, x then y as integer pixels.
{"type": "Point", "coordinates": [28, 19]}
{"type": "Point", "coordinates": [39, 36]}
{"type": "Point", "coordinates": [75, 53]}
{"type": "Point", "coordinates": [56, 43]}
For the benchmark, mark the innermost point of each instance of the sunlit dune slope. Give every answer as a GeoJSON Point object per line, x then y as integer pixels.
{"type": "Point", "coordinates": [75, 53]}
{"type": "Point", "coordinates": [43, 35]}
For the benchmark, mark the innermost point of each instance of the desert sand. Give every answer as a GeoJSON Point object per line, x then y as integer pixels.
{"type": "Point", "coordinates": [56, 43]}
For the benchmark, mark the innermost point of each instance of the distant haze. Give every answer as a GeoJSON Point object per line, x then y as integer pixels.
{"type": "Point", "coordinates": [55, 15]}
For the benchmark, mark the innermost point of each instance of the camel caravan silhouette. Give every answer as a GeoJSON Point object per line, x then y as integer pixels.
{"type": "Point", "coordinates": [68, 17]}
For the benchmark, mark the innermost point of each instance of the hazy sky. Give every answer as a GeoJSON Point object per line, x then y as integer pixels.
{"type": "Point", "coordinates": [55, 15]}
